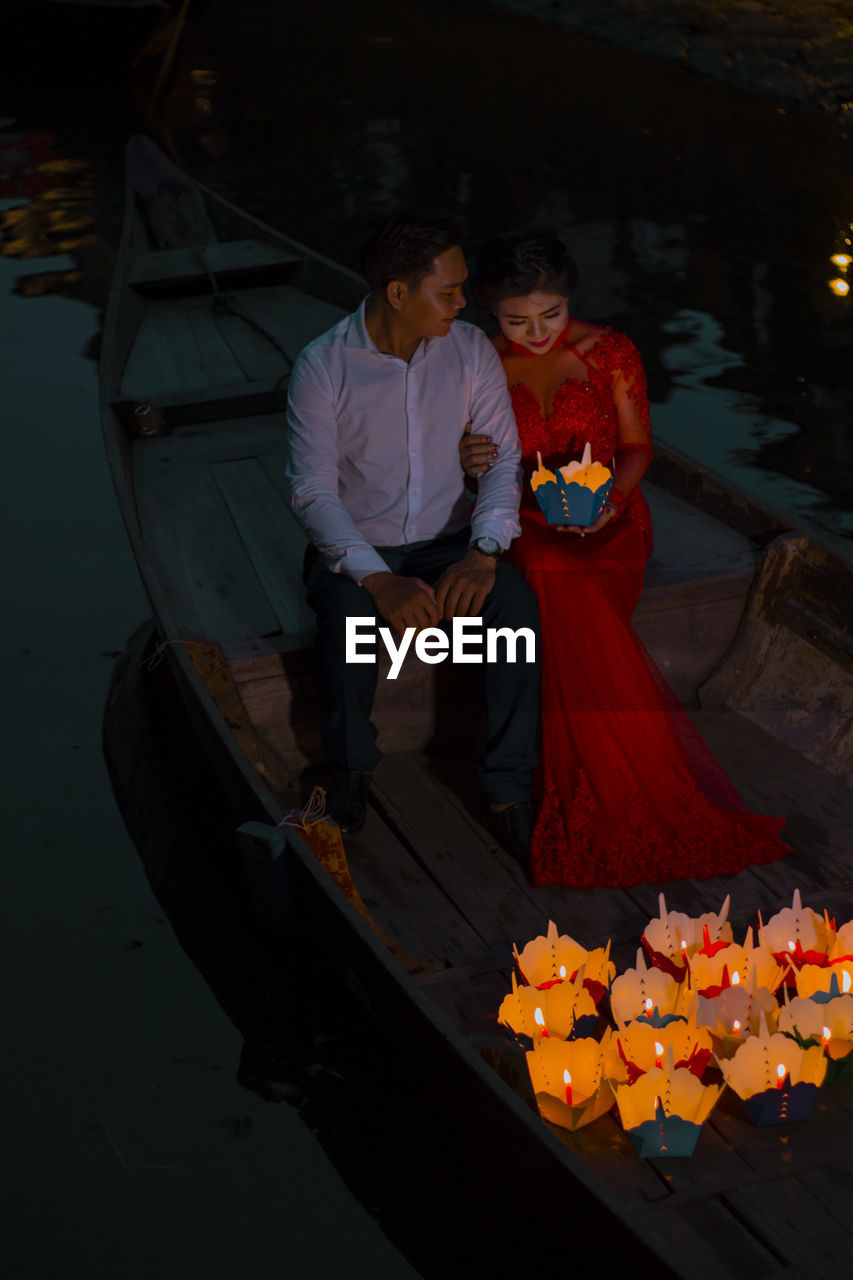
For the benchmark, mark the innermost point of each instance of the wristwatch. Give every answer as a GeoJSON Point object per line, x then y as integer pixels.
{"type": "Point", "coordinates": [487, 546]}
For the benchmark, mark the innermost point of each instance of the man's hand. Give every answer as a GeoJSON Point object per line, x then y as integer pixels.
{"type": "Point", "coordinates": [404, 602]}
{"type": "Point", "coordinates": [462, 589]}
{"type": "Point", "coordinates": [476, 453]}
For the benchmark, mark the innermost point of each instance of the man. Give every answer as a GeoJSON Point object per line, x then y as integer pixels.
{"type": "Point", "coordinates": [376, 409]}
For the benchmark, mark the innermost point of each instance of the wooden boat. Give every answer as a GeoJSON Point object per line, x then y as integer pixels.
{"type": "Point", "coordinates": [208, 310]}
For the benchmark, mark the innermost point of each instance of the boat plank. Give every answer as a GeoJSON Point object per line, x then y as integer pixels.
{"type": "Point", "coordinates": [712, 1235]}
{"type": "Point", "coordinates": [405, 901]}
{"type": "Point", "coordinates": [250, 436]}
{"type": "Point", "coordinates": [255, 355]}
{"type": "Point", "coordinates": [488, 891]}
{"type": "Point", "coordinates": [775, 1151]}
{"type": "Point", "coordinates": [833, 1188]}
{"type": "Point", "coordinates": [216, 356]}
{"type": "Point", "coordinates": [471, 1005]}
{"type": "Point", "coordinates": [207, 576]}
{"type": "Point", "coordinates": [787, 1212]}
{"type": "Point", "coordinates": [291, 315]}
{"type": "Point", "coordinates": [161, 268]}
{"type": "Point", "coordinates": [273, 538]}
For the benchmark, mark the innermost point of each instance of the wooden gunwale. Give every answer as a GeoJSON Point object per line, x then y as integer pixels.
{"type": "Point", "coordinates": [474, 902]}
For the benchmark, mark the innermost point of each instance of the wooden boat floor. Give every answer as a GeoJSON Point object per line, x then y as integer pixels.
{"type": "Point", "coordinates": [436, 880]}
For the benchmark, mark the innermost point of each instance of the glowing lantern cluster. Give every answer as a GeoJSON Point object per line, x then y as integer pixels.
{"type": "Point", "coordinates": [701, 1002]}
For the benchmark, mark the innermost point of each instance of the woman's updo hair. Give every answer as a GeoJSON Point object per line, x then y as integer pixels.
{"type": "Point", "coordinates": [523, 262]}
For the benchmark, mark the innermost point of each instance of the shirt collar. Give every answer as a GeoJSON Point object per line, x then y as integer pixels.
{"type": "Point", "coordinates": [358, 337]}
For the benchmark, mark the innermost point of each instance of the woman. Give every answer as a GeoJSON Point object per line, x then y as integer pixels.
{"type": "Point", "coordinates": [629, 792]}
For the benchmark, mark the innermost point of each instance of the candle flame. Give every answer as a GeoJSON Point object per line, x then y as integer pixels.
{"type": "Point", "coordinates": [648, 1002]}
{"type": "Point", "coordinates": [735, 978]}
{"type": "Point", "coordinates": [562, 971]}
{"type": "Point", "coordinates": [791, 946]}
{"type": "Point", "coordinates": [780, 1071]}
{"type": "Point", "coordinates": [538, 1017]}
{"type": "Point", "coordinates": [841, 260]}
{"type": "Point", "coordinates": [827, 1034]}
{"type": "Point", "coordinates": [683, 944]}
{"type": "Point", "coordinates": [567, 1079]}
{"type": "Point", "coordinates": [839, 287]}
{"type": "Point", "coordinates": [658, 1048]}
{"type": "Point", "coordinates": [736, 1025]}
{"type": "Point", "coordinates": [845, 982]}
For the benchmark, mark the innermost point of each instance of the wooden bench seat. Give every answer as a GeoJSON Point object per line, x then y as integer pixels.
{"type": "Point", "coordinates": [172, 271]}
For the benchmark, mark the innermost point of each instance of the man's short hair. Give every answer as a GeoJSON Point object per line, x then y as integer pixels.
{"type": "Point", "coordinates": [404, 247]}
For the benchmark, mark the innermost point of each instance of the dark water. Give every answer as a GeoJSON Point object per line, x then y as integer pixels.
{"type": "Point", "coordinates": [704, 217]}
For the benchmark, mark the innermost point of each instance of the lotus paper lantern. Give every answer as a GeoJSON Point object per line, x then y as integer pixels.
{"type": "Point", "coordinates": [561, 1011]}
{"type": "Point", "coordinates": [639, 1047]}
{"type": "Point", "coordinates": [575, 494]}
{"type": "Point", "coordinates": [549, 959]}
{"type": "Point", "coordinates": [735, 1014]}
{"type": "Point", "coordinates": [724, 965]}
{"type": "Point", "coordinates": [829, 1025]}
{"type": "Point", "coordinates": [648, 993]}
{"type": "Point", "coordinates": [774, 1077]}
{"type": "Point", "coordinates": [664, 1111]}
{"type": "Point", "coordinates": [842, 948]}
{"type": "Point", "coordinates": [569, 1082]}
{"type": "Point", "coordinates": [673, 937]}
{"type": "Point", "coordinates": [798, 934]}
{"type": "Point", "coordinates": [825, 983]}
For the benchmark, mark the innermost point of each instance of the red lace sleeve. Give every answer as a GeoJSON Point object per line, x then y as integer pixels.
{"type": "Point", "coordinates": [620, 360]}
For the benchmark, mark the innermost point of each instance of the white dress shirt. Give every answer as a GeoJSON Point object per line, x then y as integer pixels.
{"type": "Point", "coordinates": [373, 457]}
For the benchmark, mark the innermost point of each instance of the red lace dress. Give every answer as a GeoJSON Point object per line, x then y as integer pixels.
{"type": "Point", "coordinates": [629, 791]}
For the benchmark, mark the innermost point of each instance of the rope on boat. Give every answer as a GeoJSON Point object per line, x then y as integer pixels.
{"type": "Point", "coordinates": [152, 663]}
{"type": "Point", "coordinates": [313, 811]}
{"type": "Point", "coordinates": [225, 303]}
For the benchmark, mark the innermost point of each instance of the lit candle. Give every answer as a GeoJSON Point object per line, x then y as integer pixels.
{"type": "Point", "coordinates": [780, 1072]}
{"type": "Point", "coordinates": [827, 1036]}
{"type": "Point", "coordinates": [736, 1026]}
{"type": "Point", "coordinates": [562, 971]}
{"type": "Point", "coordinates": [845, 981]}
{"type": "Point", "coordinates": [567, 1081]}
{"type": "Point", "coordinates": [658, 1053]}
{"type": "Point", "coordinates": [649, 1004]}
{"type": "Point", "coordinates": [539, 1019]}
{"type": "Point", "coordinates": [735, 978]}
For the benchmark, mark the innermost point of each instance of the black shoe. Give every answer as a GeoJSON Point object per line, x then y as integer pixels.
{"type": "Point", "coordinates": [346, 798]}
{"type": "Point", "coordinates": [516, 823]}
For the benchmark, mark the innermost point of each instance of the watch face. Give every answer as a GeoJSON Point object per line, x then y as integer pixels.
{"type": "Point", "coordinates": [488, 546]}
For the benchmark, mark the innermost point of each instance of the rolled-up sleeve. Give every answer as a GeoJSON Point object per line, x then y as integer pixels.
{"type": "Point", "coordinates": [495, 513]}
{"type": "Point", "coordinates": [312, 472]}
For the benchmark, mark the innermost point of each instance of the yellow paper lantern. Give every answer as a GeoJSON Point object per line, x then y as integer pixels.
{"type": "Point", "coordinates": [569, 1082]}
{"type": "Point", "coordinates": [831, 980]}
{"type": "Point", "coordinates": [640, 991]}
{"type": "Point", "coordinates": [545, 1014]}
{"type": "Point", "coordinates": [798, 933]}
{"type": "Point", "coordinates": [830, 1023]}
{"type": "Point", "coordinates": [775, 1078]}
{"type": "Point", "coordinates": [664, 1111]}
{"type": "Point", "coordinates": [736, 1013]}
{"type": "Point", "coordinates": [639, 1046]}
{"type": "Point", "coordinates": [549, 959]}
{"type": "Point", "coordinates": [733, 965]}
{"type": "Point", "coordinates": [673, 937]}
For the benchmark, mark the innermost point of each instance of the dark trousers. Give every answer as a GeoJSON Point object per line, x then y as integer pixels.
{"type": "Point", "coordinates": [511, 689]}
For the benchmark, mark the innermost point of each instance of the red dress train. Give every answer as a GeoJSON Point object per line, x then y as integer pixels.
{"type": "Point", "coordinates": [629, 792]}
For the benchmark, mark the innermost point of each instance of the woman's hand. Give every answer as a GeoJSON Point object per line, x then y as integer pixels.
{"type": "Point", "coordinates": [609, 513]}
{"type": "Point", "coordinates": [476, 453]}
